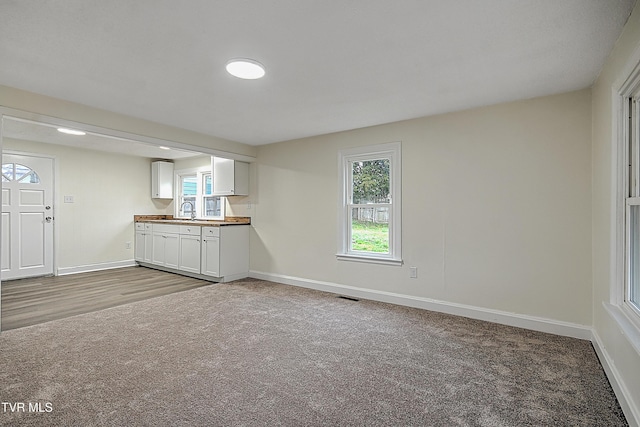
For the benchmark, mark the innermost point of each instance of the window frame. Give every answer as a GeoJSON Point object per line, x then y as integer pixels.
{"type": "Point", "coordinates": [201, 195]}
{"type": "Point", "coordinates": [181, 196]}
{"type": "Point", "coordinates": [626, 124]}
{"type": "Point", "coordinates": [203, 200]}
{"type": "Point", "coordinates": [632, 200]}
{"type": "Point", "coordinates": [30, 173]}
{"type": "Point", "coordinates": [393, 152]}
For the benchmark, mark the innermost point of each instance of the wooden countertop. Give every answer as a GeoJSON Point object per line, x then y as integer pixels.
{"type": "Point", "coordinates": [169, 219]}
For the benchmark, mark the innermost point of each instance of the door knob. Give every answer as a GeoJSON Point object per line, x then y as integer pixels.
{"type": "Point", "coordinates": [48, 219]}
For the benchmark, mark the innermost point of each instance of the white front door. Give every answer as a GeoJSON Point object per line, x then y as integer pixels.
{"type": "Point", "coordinates": [27, 216]}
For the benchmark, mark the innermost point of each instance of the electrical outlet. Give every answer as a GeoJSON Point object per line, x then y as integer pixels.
{"type": "Point", "coordinates": [128, 245]}
{"type": "Point", "coordinates": [413, 272]}
{"type": "Point", "coordinates": [68, 199]}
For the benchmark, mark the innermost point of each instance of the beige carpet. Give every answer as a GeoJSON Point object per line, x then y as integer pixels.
{"type": "Point", "coordinates": [257, 353]}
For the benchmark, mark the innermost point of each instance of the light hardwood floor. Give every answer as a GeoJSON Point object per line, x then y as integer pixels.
{"type": "Point", "coordinates": [36, 300]}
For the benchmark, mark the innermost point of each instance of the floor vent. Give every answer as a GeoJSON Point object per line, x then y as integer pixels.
{"type": "Point", "coordinates": [349, 298]}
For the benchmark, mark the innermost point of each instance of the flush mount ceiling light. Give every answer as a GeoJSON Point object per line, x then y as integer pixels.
{"type": "Point", "coordinates": [71, 131]}
{"type": "Point", "coordinates": [244, 68]}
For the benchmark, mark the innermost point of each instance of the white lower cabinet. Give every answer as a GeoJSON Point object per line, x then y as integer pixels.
{"type": "Point", "coordinates": [189, 249]}
{"type": "Point", "coordinates": [216, 253]}
{"type": "Point", "coordinates": [143, 243]}
{"type": "Point", "coordinates": [210, 256]}
{"type": "Point", "coordinates": [171, 251]}
{"type": "Point", "coordinates": [166, 248]}
{"type": "Point", "coordinates": [139, 246]}
{"type": "Point", "coordinates": [225, 252]}
{"type": "Point", "coordinates": [148, 245]}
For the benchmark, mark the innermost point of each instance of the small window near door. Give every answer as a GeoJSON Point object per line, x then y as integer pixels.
{"type": "Point", "coordinates": [20, 173]}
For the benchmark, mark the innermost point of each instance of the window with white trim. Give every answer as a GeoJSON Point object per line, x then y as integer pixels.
{"type": "Point", "coordinates": [624, 297]}
{"type": "Point", "coordinates": [632, 205]}
{"type": "Point", "coordinates": [195, 188]}
{"type": "Point", "coordinates": [370, 204]}
{"type": "Point", "coordinates": [212, 207]}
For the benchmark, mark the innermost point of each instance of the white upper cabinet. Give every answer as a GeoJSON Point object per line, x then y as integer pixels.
{"type": "Point", "coordinates": [230, 177]}
{"type": "Point", "coordinates": [162, 180]}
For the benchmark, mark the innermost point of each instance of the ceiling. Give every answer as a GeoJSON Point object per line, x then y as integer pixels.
{"type": "Point", "coordinates": [331, 65]}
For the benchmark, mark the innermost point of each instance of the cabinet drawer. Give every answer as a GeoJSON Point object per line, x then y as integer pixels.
{"type": "Point", "coordinates": [166, 228]}
{"type": "Point", "coordinates": [192, 230]}
{"type": "Point", "coordinates": [143, 226]}
{"type": "Point", "coordinates": [210, 231]}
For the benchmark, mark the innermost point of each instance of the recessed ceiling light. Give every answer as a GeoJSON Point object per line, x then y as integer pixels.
{"type": "Point", "coordinates": [244, 68]}
{"type": "Point", "coordinates": [71, 131]}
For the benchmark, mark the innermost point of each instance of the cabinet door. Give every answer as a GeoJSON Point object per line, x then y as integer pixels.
{"type": "Point", "coordinates": [148, 246]}
{"type": "Point", "coordinates": [211, 256]}
{"type": "Point", "coordinates": [230, 177]}
{"type": "Point", "coordinates": [157, 252]}
{"type": "Point", "coordinates": [171, 250]}
{"type": "Point", "coordinates": [162, 180]}
{"type": "Point", "coordinates": [140, 248]}
{"type": "Point", "coordinates": [189, 253]}
{"type": "Point", "coordinates": [223, 177]}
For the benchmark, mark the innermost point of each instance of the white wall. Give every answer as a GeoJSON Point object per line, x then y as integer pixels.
{"type": "Point", "coordinates": [108, 189]}
{"type": "Point", "coordinates": [623, 360]}
{"type": "Point", "coordinates": [496, 210]}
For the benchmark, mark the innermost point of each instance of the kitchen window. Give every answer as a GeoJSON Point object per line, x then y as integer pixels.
{"type": "Point", "coordinates": [370, 204]}
{"type": "Point", "coordinates": [211, 206]}
{"type": "Point", "coordinates": [196, 188]}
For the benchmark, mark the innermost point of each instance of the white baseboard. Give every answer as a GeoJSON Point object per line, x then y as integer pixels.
{"type": "Point", "coordinates": [95, 267]}
{"type": "Point", "coordinates": [496, 316]}
{"type": "Point", "coordinates": [631, 411]}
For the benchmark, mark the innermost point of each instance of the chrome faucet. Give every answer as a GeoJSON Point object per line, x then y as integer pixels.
{"type": "Point", "coordinates": [193, 209]}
